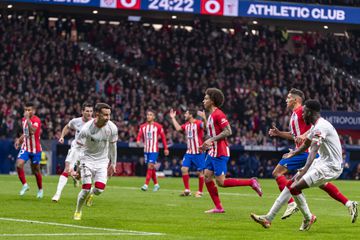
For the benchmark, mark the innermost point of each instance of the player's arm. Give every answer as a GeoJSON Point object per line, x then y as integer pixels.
{"type": "Point", "coordinates": [64, 132]}
{"type": "Point", "coordinates": [139, 137]}
{"type": "Point", "coordinates": [174, 121]}
{"type": "Point", "coordinates": [301, 138]}
{"type": "Point", "coordinates": [163, 139]}
{"type": "Point", "coordinates": [32, 127]}
{"type": "Point", "coordinates": [19, 141]}
{"type": "Point", "coordinates": [82, 137]}
{"type": "Point", "coordinates": [312, 155]}
{"type": "Point", "coordinates": [226, 132]}
{"type": "Point", "coordinates": [275, 132]}
{"type": "Point", "coordinates": [301, 149]}
{"type": "Point", "coordinates": [202, 114]}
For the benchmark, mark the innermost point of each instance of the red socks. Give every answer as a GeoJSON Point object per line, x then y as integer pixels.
{"type": "Point", "coordinates": [21, 175]}
{"type": "Point", "coordinates": [186, 181]}
{"type": "Point", "coordinates": [334, 192]}
{"type": "Point", "coordinates": [65, 174]}
{"type": "Point", "coordinates": [212, 189]}
{"type": "Point", "coordinates": [38, 180]}
{"type": "Point", "coordinates": [148, 176]}
{"type": "Point", "coordinates": [234, 182]}
{"type": "Point", "coordinates": [154, 176]}
{"type": "Point", "coordinates": [201, 183]}
{"type": "Point", "coordinates": [281, 182]}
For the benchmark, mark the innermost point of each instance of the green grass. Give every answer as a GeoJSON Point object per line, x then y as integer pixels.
{"type": "Point", "coordinates": [124, 206]}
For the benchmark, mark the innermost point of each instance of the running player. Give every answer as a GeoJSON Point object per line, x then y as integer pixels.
{"type": "Point", "coordinates": [219, 129]}
{"type": "Point", "coordinates": [149, 133]}
{"type": "Point", "coordinates": [98, 137]}
{"type": "Point", "coordinates": [316, 172]}
{"type": "Point", "coordinates": [30, 148]}
{"type": "Point", "coordinates": [298, 131]}
{"type": "Point", "coordinates": [74, 152]}
{"type": "Point", "coordinates": [194, 131]}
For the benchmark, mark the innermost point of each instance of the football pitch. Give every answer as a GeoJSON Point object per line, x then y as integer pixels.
{"type": "Point", "coordinates": [123, 211]}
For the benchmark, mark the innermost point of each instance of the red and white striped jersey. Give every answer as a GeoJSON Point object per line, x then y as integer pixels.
{"type": "Point", "coordinates": [297, 123]}
{"type": "Point", "coordinates": [217, 121]}
{"type": "Point", "coordinates": [150, 133]}
{"type": "Point", "coordinates": [31, 142]}
{"type": "Point", "coordinates": [194, 135]}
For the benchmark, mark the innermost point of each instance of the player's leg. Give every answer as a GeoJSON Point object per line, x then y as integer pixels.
{"type": "Point", "coordinates": [86, 177]}
{"type": "Point", "coordinates": [335, 193]}
{"type": "Point", "coordinates": [100, 180]}
{"type": "Point", "coordinates": [149, 172]}
{"type": "Point", "coordinates": [186, 163]}
{"type": "Point", "coordinates": [35, 166]}
{"type": "Point", "coordinates": [153, 159]}
{"type": "Point", "coordinates": [23, 157]}
{"type": "Point", "coordinates": [199, 163]}
{"type": "Point", "coordinates": [62, 182]}
{"type": "Point", "coordinates": [221, 170]}
{"type": "Point", "coordinates": [211, 187]}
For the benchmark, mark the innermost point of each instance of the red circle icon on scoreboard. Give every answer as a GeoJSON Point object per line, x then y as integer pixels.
{"type": "Point", "coordinates": [212, 7]}
{"type": "Point", "coordinates": [128, 4]}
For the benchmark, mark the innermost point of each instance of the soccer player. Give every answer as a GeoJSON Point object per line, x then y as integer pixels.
{"type": "Point", "coordinates": [73, 155]}
{"type": "Point", "coordinates": [219, 129]}
{"type": "Point", "coordinates": [298, 132]}
{"type": "Point", "coordinates": [324, 139]}
{"type": "Point", "coordinates": [30, 148]}
{"type": "Point", "coordinates": [149, 133]}
{"type": "Point", "coordinates": [98, 137]}
{"type": "Point", "coordinates": [194, 131]}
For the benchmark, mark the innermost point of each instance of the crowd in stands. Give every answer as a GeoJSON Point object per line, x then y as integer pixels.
{"type": "Point", "coordinates": [349, 3]}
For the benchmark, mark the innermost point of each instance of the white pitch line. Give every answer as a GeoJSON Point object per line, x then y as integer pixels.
{"type": "Point", "coordinates": [81, 227]}
{"type": "Point", "coordinates": [66, 234]}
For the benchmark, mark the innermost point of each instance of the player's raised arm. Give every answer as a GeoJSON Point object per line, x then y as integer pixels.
{"type": "Point", "coordinates": [275, 132]}
{"type": "Point", "coordinates": [174, 121]}
{"type": "Point", "coordinates": [163, 139]}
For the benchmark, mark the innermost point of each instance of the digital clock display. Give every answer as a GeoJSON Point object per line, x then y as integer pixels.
{"type": "Point", "coordinates": [172, 5]}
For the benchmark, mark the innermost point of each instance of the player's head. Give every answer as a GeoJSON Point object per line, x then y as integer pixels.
{"type": "Point", "coordinates": [87, 111]}
{"type": "Point", "coordinates": [150, 115]}
{"type": "Point", "coordinates": [294, 98]}
{"type": "Point", "coordinates": [214, 97]}
{"type": "Point", "coordinates": [103, 113]}
{"type": "Point", "coordinates": [311, 111]}
{"type": "Point", "coordinates": [30, 108]}
{"type": "Point", "coordinates": [190, 113]}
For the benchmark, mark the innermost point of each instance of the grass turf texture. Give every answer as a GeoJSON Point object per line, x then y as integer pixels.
{"type": "Point", "coordinates": [124, 206]}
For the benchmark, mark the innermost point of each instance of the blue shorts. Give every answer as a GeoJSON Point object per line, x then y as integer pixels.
{"type": "Point", "coordinates": [217, 164]}
{"type": "Point", "coordinates": [296, 162]}
{"type": "Point", "coordinates": [34, 157]}
{"type": "Point", "coordinates": [197, 159]}
{"type": "Point", "coordinates": [151, 157]}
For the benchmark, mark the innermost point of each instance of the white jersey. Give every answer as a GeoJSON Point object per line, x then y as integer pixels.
{"type": "Point", "coordinates": [76, 124]}
{"type": "Point", "coordinates": [330, 151]}
{"type": "Point", "coordinates": [95, 141]}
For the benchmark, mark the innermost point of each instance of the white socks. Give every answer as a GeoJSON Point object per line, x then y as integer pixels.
{"type": "Point", "coordinates": [302, 205]}
{"type": "Point", "coordinates": [282, 199]}
{"type": "Point", "coordinates": [81, 199]}
{"type": "Point", "coordinates": [62, 182]}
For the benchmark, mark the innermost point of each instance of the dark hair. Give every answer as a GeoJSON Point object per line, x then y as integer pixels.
{"type": "Point", "coordinates": [295, 91]}
{"type": "Point", "coordinates": [192, 112]}
{"type": "Point", "coordinates": [151, 110]}
{"type": "Point", "coordinates": [85, 105]}
{"type": "Point", "coordinates": [29, 104]}
{"type": "Point", "coordinates": [216, 95]}
{"type": "Point", "coordinates": [313, 105]}
{"type": "Point", "coordinates": [100, 106]}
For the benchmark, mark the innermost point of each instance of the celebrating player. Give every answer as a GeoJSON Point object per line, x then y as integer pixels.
{"type": "Point", "coordinates": [74, 152]}
{"type": "Point", "coordinates": [98, 138]}
{"type": "Point", "coordinates": [219, 129]}
{"type": "Point", "coordinates": [149, 133]}
{"type": "Point", "coordinates": [298, 131]}
{"type": "Point", "coordinates": [323, 138]}
{"type": "Point", "coordinates": [194, 131]}
{"type": "Point", "coordinates": [30, 148]}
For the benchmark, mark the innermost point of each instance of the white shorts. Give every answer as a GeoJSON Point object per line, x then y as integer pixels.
{"type": "Point", "coordinates": [319, 175]}
{"type": "Point", "coordinates": [73, 156]}
{"type": "Point", "coordinates": [90, 173]}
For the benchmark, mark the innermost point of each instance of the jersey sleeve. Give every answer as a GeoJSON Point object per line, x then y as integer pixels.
{"type": "Point", "coordinates": [82, 136]}
{"type": "Point", "coordinates": [139, 136]}
{"type": "Point", "coordinates": [114, 134]}
{"type": "Point", "coordinates": [183, 127]}
{"type": "Point", "coordinates": [317, 134]}
{"type": "Point", "coordinates": [163, 137]}
{"type": "Point", "coordinates": [36, 123]}
{"type": "Point", "coordinates": [221, 120]}
{"type": "Point", "coordinates": [71, 124]}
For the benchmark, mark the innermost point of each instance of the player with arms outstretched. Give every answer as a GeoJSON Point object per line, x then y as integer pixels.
{"type": "Point", "coordinates": [149, 133]}
{"type": "Point", "coordinates": [74, 152]}
{"type": "Point", "coordinates": [98, 137]}
{"type": "Point", "coordinates": [324, 139]}
{"type": "Point", "coordinates": [219, 129]}
{"type": "Point", "coordinates": [194, 131]}
{"type": "Point", "coordinates": [298, 132]}
{"type": "Point", "coordinates": [30, 148]}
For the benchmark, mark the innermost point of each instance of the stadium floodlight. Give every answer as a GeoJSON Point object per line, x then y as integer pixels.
{"type": "Point", "coordinates": [9, 6]}
{"type": "Point", "coordinates": [255, 22]}
{"type": "Point", "coordinates": [95, 12]}
{"type": "Point", "coordinates": [326, 27]}
{"type": "Point", "coordinates": [174, 17]}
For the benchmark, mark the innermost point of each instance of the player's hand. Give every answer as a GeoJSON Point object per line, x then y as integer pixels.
{"type": "Point", "coordinates": [201, 114]}
{"type": "Point", "coordinates": [273, 132]}
{"type": "Point", "coordinates": [172, 113]}
{"type": "Point", "coordinates": [17, 144]}
{"type": "Point", "coordinates": [61, 140]}
{"type": "Point", "coordinates": [166, 152]}
{"type": "Point", "coordinates": [111, 170]}
{"type": "Point", "coordinates": [206, 145]}
{"type": "Point", "coordinates": [300, 139]}
{"type": "Point", "coordinates": [289, 154]}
